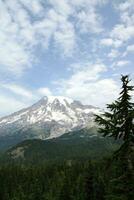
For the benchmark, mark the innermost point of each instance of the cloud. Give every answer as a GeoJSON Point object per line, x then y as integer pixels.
{"type": "Point", "coordinates": [126, 5]}
{"type": "Point", "coordinates": [65, 28]}
{"type": "Point", "coordinates": [116, 42]}
{"type": "Point", "coordinates": [15, 37]}
{"type": "Point", "coordinates": [86, 72]}
{"type": "Point", "coordinates": [26, 24]}
{"type": "Point", "coordinates": [13, 57]}
{"type": "Point", "coordinates": [122, 63]}
{"type": "Point", "coordinates": [9, 104]}
{"type": "Point", "coordinates": [44, 91]}
{"type": "Point", "coordinates": [15, 97]}
{"type": "Point", "coordinates": [111, 42]}
{"type": "Point", "coordinates": [65, 37]}
{"type": "Point", "coordinates": [123, 32]}
{"type": "Point", "coordinates": [129, 49]}
{"type": "Point", "coordinates": [34, 6]}
{"type": "Point", "coordinates": [88, 3]}
{"type": "Point", "coordinates": [86, 84]}
{"type": "Point", "coordinates": [96, 93]}
{"type": "Point", "coordinates": [18, 90]}
{"type": "Point", "coordinates": [89, 21]}
{"type": "Point", "coordinates": [113, 54]}
{"type": "Point", "coordinates": [63, 7]}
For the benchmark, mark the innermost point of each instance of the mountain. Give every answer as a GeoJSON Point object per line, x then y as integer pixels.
{"type": "Point", "coordinates": [81, 144]}
{"type": "Point", "coordinates": [50, 117]}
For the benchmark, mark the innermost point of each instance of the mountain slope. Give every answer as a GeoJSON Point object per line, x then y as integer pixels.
{"type": "Point", "coordinates": [69, 146]}
{"type": "Point", "coordinates": [48, 118]}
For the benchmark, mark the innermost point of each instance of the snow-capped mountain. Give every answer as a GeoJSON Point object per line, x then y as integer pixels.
{"type": "Point", "coordinates": [48, 118]}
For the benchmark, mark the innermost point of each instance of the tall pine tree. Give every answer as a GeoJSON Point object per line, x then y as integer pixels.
{"type": "Point", "coordinates": [118, 122]}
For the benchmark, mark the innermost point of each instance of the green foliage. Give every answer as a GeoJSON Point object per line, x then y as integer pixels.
{"type": "Point", "coordinates": [118, 123]}
{"type": "Point", "coordinates": [55, 150]}
{"type": "Point", "coordinates": [69, 180]}
{"type": "Point", "coordinates": [57, 182]}
{"type": "Point", "coordinates": [120, 179]}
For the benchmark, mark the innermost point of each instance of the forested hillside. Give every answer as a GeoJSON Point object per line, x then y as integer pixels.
{"type": "Point", "coordinates": [77, 165]}
{"type": "Point", "coordinates": [59, 149]}
{"type": "Point", "coordinates": [69, 180]}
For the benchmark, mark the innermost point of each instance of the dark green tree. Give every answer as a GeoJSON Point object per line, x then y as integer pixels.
{"type": "Point", "coordinates": [118, 121]}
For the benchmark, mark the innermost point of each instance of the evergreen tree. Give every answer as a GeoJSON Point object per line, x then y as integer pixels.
{"type": "Point", "coordinates": [118, 122]}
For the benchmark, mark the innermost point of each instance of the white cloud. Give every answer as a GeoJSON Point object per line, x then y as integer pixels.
{"type": "Point", "coordinates": [18, 90]}
{"type": "Point", "coordinates": [19, 33]}
{"type": "Point", "coordinates": [106, 42]}
{"type": "Point", "coordinates": [17, 36]}
{"type": "Point", "coordinates": [129, 49]}
{"type": "Point", "coordinates": [89, 21]}
{"type": "Point", "coordinates": [62, 7]}
{"type": "Point", "coordinates": [123, 32]}
{"type": "Point", "coordinates": [111, 42]}
{"type": "Point", "coordinates": [9, 104]}
{"type": "Point", "coordinates": [87, 85]}
{"type": "Point", "coordinates": [96, 93]}
{"type": "Point", "coordinates": [119, 64]}
{"type": "Point", "coordinates": [122, 63]}
{"type": "Point", "coordinates": [14, 56]}
{"type": "Point", "coordinates": [88, 3]}
{"type": "Point", "coordinates": [65, 37]}
{"type": "Point", "coordinates": [28, 23]}
{"type": "Point", "coordinates": [87, 72]}
{"type": "Point", "coordinates": [126, 5]}
{"type": "Point", "coordinates": [33, 6]}
{"type": "Point", "coordinates": [113, 54]}
{"type": "Point", "coordinates": [44, 91]}
{"type": "Point", "coordinates": [14, 97]}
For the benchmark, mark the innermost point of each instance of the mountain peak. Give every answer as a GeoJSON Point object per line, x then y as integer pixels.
{"type": "Point", "coordinates": [61, 99]}
{"type": "Point", "coordinates": [50, 117]}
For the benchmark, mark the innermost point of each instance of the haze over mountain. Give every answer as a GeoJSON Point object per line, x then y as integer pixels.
{"type": "Point", "coordinates": [50, 117]}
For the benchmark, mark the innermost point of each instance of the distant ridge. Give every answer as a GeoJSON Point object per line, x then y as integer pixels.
{"type": "Point", "coordinates": [50, 117]}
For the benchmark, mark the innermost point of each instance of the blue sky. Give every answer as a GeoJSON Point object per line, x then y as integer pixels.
{"type": "Point", "coordinates": [76, 49]}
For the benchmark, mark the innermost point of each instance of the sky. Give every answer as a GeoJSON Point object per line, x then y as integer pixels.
{"type": "Point", "coordinates": [76, 49]}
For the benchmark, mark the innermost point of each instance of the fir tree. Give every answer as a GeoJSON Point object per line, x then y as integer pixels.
{"type": "Point", "coordinates": [118, 122]}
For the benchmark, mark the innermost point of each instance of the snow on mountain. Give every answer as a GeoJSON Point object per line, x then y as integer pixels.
{"type": "Point", "coordinates": [48, 118]}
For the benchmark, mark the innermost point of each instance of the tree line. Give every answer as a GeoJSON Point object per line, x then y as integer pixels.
{"type": "Point", "coordinates": [110, 178]}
